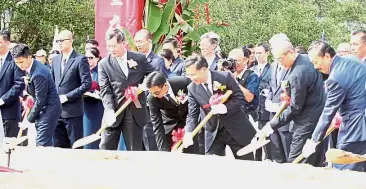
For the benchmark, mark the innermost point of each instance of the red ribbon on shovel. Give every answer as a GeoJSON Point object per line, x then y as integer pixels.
{"type": "Point", "coordinates": [131, 93]}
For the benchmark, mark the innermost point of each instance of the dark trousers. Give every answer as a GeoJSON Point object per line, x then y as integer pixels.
{"type": "Point", "coordinates": [148, 136]}
{"type": "Point", "coordinates": [356, 148]}
{"type": "Point", "coordinates": [280, 146]}
{"type": "Point", "coordinates": [299, 138]}
{"type": "Point", "coordinates": [68, 130]}
{"type": "Point", "coordinates": [45, 132]}
{"type": "Point", "coordinates": [224, 138]}
{"type": "Point", "coordinates": [10, 128]}
{"type": "Point", "coordinates": [132, 134]}
{"type": "Point", "coordinates": [201, 135]}
{"type": "Point", "coordinates": [266, 148]}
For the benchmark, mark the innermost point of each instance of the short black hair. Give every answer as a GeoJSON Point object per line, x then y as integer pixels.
{"type": "Point", "coordinates": [301, 50]}
{"type": "Point", "coordinates": [54, 52]}
{"type": "Point", "coordinates": [197, 60]}
{"type": "Point", "coordinates": [155, 79]}
{"type": "Point", "coordinates": [95, 51]}
{"type": "Point", "coordinates": [363, 32]}
{"type": "Point", "coordinates": [322, 48]}
{"type": "Point", "coordinates": [119, 34]}
{"type": "Point", "coordinates": [246, 52]}
{"type": "Point", "coordinates": [5, 34]}
{"type": "Point", "coordinates": [20, 50]}
{"type": "Point", "coordinates": [249, 46]}
{"type": "Point", "coordinates": [173, 41]}
{"type": "Point", "coordinates": [92, 41]}
{"type": "Point", "coordinates": [264, 45]}
{"type": "Point", "coordinates": [168, 54]}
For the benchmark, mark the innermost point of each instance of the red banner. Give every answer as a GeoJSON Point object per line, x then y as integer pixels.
{"type": "Point", "coordinates": [116, 14]}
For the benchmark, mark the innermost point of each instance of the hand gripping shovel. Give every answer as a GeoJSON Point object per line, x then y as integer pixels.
{"type": "Point", "coordinates": [256, 142]}
{"type": "Point", "coordinates": [94, 137]}
{"type": "Point", "coordinates": [178, 147]}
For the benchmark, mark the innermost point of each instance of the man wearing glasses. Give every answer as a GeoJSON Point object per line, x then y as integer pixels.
{"type": "Point", "coordinates": [168, 106]}
{"type": "Point", "coordinates": [306, 91]}
{"type": "Point", "coordinates": [71, 74]}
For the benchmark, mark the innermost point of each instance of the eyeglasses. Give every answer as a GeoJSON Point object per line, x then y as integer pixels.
{"type": "Point", "coordinates": [90, 58]}
{"type": "Point", "coordinates": [61, 40]}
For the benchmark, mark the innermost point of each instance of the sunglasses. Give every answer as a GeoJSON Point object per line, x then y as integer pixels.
{"type": "Point", "coordinates": [90, 58]}
{"type": "Point", "coordinates": [61, 40]}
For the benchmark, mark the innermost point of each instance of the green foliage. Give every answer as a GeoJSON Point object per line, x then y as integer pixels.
{"type": "Point", "coordinates": [256, 21]}
{"type": "Point", "coordinates": [34, 22]}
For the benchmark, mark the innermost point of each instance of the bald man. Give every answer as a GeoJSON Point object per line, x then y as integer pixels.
{"type": "Point", "coordinates": [71, 74]}
{"type": "Point", "coordinates": [305, 88]}
{"type": "Point", "coordinates": [344, 49]}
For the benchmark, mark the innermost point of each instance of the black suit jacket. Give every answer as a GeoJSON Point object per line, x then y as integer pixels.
{"type": "Point", "coordinates": [167, 115]}
{"type": "Point", "coordinates": [235, 120]}
{"type": "Point", "coordinates": [42, 88]}
{"type": "Point", "coordinates": [11, 87]}
{"type": "Point", "coordinates": [307, 96]}
{"type": "Point", "coordinates": [158, 63]}
{"type": "Point", "coordinates": [113, 83]}
{"type": "Point", "coordinates": [73, 82]}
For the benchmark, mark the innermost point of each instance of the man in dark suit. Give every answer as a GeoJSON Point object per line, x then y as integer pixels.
{"type": "Point", "coordinates": [209, 42]}
{"type": "Point", "coordinates": [305, 88]}
{"type": "Point", "coordinates": [168, 104]}
{"type": "Point", "coordinates": [177, 67]}
{"type": "Point", "coordinates": [346, 94]}
{"type": "Point", "coordinates": [143, 41]}
{"type": "Point", "coordinates": [118, 71]}
{"type": "Point", "coordinates": [263, 69]}
{"type": "Point", "coordinates": [47, 105]}
{"type": "Point", "coordinates": [229, 125]}
{"type": "Point", "coordinates": [71, 74]}
{"type": "Point", "coordinates": [11, 87]}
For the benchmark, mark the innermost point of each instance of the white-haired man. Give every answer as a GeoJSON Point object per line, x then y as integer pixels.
{"type": "Point", "coordinates": [306, 91]}
{"type": "Point", "coordinates": [209, 44]}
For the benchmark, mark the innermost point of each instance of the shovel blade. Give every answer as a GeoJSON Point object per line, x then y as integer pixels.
{"type": "Point", "coordinates": [252, 147]}
{"type": "Point", "coordinates": [86, 140]}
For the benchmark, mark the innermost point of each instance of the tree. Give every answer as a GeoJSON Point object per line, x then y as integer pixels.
{"type": "Point", "coordinates": [33, 22]}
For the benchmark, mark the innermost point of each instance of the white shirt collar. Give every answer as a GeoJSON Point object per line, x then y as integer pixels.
{"type": "Point", "coordinates": [67, 57]}
{"type": "Point", "coordinates": [30, 67]}
{"type": "Point", "coordinates": [261, 66]}
{"type": "Point", "coordinates": [241, 73]}
{"type": "Point", "coordinates": [3, 58]}
{"type": "Point", "coordinates": [364, 58]}
{"type": "Point", "coordinates": [170, 90]}
{"type": "Point", "coordinates": [209, 82]}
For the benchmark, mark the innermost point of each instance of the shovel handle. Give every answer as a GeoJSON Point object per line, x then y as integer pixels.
{"type": "Point", "coordinates": [119, 111]}
{"type": "Point", "coordinates": [20, 133]}
{"type": "Point", "coordinates": [178, 147]}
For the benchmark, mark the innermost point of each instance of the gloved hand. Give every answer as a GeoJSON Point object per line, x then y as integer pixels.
{"type": "Point", "coordinates": [63, 99]}
{"type": "Point", "coordinates": [219, 109]}
{"type": "Point", "coordinates": [1, 102]}
{"type": "Point", "coordinates": [109, 117]}
{"type": "Point", "coordinates": [309, 148]}
{"type": "Point", "coordinates": [9, 144]}
{"type": "Point", "coordinates": [187, 139]}
{"type": "Point", "coordinates": [265, 132]}
{"type": "Point", "coordinates": [274, 122]}
{"type": "Point", "coordinates": [25, 124]}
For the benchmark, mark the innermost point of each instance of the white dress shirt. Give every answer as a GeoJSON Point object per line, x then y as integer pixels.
{"type": "Point", "coordinates": [122, 61]}
{"type": "Point", "coordinates": [209, 82]}
{"type": "Point", "coordinates": [170, 93]}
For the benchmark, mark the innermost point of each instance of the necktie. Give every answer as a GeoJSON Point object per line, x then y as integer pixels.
{"type": "Point", "coordinates": [278, 75]}
{"type": "Point", "coordinates": [63, 65]}
{"type": "Point", "coordinates": [260, 71]}
{"type": "Point", "coordinates": [123, 66]}
{"type": "Point", "coordinates": [208, 91]}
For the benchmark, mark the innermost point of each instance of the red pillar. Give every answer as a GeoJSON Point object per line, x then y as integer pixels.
{"type": "Point", "coordinates": [117, 13]}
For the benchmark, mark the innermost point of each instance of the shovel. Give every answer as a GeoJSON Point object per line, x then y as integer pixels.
{"type": "Point", "coordinates": [178, 147]}
{"type": "Point", "coordinates": [94, 137]}
{"type": "Point", "coordinates": [256, 142]}
{"type": "Point", "coordinates": [342, 157]}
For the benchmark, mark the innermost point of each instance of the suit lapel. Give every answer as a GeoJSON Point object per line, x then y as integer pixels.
{"type": "Point", "coordinates": [213, 66]}
{"type": "Point", "coordinates": [265, 70]}
{"type": "Point", "coordinates": [284, 72]}
{"type": "Point", "coordinates": [68, 65]}
{"type": "Point", "coordinates": [7, 62]}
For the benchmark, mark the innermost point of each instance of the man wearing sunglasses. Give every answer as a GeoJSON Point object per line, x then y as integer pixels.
{"type": "Point", "coordinates": [168, 102]}
{"type": "Point", "coordinates": [71, 74]}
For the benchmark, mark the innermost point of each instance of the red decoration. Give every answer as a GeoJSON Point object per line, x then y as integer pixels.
{"type": "Point", "coordinates": [285, 98]}
{"type": "Point", "coordinates": [131, 93]}
{"type": "Point", "coordinates": [28, 103]}
{"type": "Point", "coordinates": [177, 135]}
{"type": "Point", "coordinates": [9, 170]}
{"type": "Point", "coordinates": [207, 14]}
{"type": "Point", "coordinates": [94, 86]}
{"type": "Point", "coordinates": [337, 121]}
{"type": "Point", "coordinates": [214, 100]}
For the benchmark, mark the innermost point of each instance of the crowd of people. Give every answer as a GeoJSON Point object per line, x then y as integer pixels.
{"type": "Point", "coordinates": [75, 94]}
